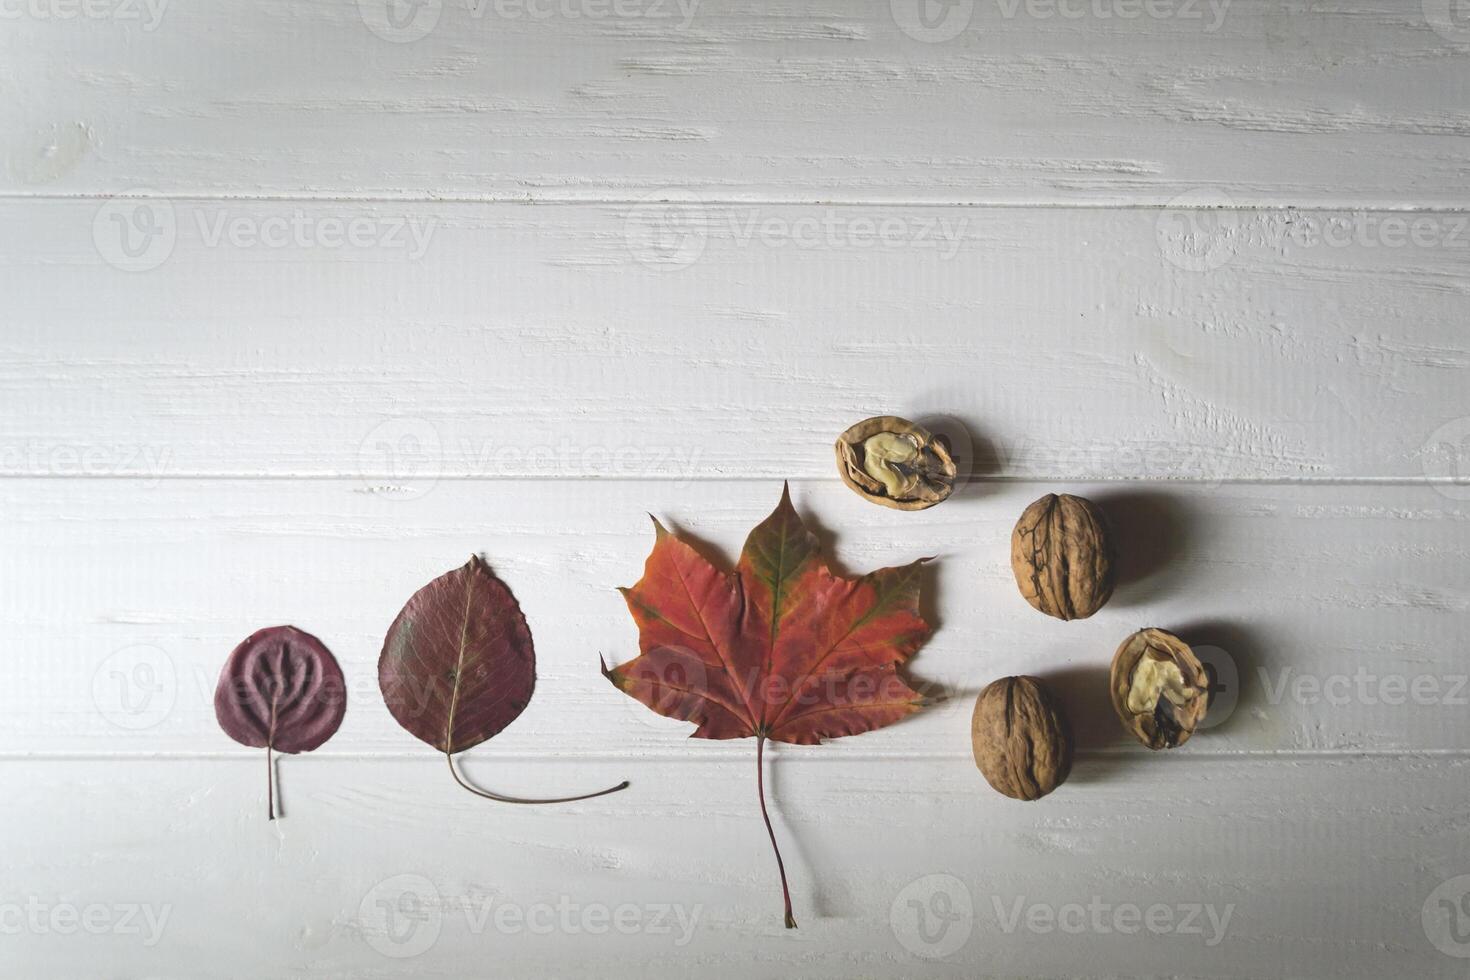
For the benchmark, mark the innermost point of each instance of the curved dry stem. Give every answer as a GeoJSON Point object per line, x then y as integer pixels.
{"type": "Point", "coordinates": [516, 799]}
{"type": "Point", "coordinates": [760, 788]}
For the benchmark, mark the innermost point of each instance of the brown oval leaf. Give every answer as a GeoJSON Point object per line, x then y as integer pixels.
{"type": "Point", "coordinates": [458, 665]}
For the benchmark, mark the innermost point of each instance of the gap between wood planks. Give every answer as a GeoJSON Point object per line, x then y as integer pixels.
{"type": "Point", "coordinates": [787, 755]}
{"type": "Point", "coordinates": [711, 200]}
{"type": "Point", "coordinates": [388, 479]}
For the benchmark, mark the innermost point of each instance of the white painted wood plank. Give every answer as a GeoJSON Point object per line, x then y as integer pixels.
{"type": "Point", "coordinates": [1310, 888]}
{"type": "Point", "coordinates": [1338, 612]}
{"type": "Point", "coordinates": [1360, 103]}
{"type": "Point", "coordinates": [575, 341]}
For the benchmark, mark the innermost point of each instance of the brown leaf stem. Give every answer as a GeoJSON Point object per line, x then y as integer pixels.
{"type": "Point", "coordinates": [760, 787]}
{"type": "Point", "coordinates": [270, 763]}
{"type": "Point", "coordinates": [516, 799]}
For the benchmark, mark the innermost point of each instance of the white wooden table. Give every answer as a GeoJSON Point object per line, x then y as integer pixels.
{"type": "Point", "coordinates": [304, 302]}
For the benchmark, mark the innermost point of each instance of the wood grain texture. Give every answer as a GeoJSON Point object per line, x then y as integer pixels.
{"type": "Point", "coordinates": [382, 868]}
{"type": "Point", "coordinates": [603, 341]}
{"type": "Point", "coordinates": [302, 304]}
{"type": "Point", "coordinates": [1360, 103]}
{"type": "Point", "coordinates": [1340, 610]}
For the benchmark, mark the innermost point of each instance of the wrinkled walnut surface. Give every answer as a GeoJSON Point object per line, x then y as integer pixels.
{"type": "Point", "coordinates": [1159, 688]}
{"type": "Point", "coordinates": [1062, 556]}
{"type": "Point", "coordinates": [1021, 739]}
{"type": "Point", "coordinates": [893, 462]}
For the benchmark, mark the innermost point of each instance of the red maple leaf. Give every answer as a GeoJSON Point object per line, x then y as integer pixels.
{"type": "Point", "coordinates": [779, 649]}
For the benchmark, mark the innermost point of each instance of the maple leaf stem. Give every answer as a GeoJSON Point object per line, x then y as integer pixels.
{"type": "Point", "coordinates": [760, 788]}
{"type": "Point", "coordinates": [453, 771]}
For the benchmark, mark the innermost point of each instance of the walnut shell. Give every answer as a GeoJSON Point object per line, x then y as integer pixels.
{"type": "Point", "coordinates": [1062, 556]}
{"type": "Point", "coordinates": [893, 462]}
{"type": "Point", "coordinates": [1022, 742]}
{"type": "Point", "coordinates": [1159, 688]}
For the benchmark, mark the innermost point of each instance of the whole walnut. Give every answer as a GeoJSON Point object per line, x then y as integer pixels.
{"type": "Point", "coordinates": [1159, 688]}
{"type": "Point", "coordinates": [1022, 742]}
{"type": "Point", "coordinates": [1062, 556]}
